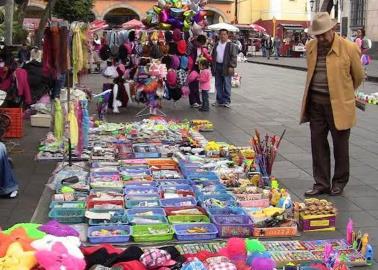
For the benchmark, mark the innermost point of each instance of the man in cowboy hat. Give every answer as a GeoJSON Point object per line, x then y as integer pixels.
{"type": "Point", "coordinates": [334, 72]}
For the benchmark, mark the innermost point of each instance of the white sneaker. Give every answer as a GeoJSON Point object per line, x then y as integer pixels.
{"type": "Point", "coordinates": [227, 105]}
{"type": "Point", "coordinates": [195, 105]}
{"type": "Point", "coordinates": [13, 194]}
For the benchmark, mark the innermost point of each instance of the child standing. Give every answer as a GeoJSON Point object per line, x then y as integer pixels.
{"type": "Point", "coordinates": [204, 79]}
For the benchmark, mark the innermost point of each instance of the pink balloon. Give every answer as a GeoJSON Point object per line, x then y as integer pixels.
{"type": "Point", "coordinates": [164, 15]}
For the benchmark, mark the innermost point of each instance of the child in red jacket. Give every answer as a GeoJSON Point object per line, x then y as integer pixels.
{"type": "Point", "coordinates": [204, 79]}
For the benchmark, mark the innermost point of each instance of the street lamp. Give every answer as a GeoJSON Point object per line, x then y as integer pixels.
{"type": "Point", "coordinates": [312, 5]}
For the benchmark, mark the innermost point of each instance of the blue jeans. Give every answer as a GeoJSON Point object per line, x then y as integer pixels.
{"type": "Point", "coordinates": [222, 85]}
{"type": "Point", "coordinates": [8, 182]}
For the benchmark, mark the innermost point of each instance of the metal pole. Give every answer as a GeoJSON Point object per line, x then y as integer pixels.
{"type": "Point", "coordinates": [236, 12]}
{"type": "Point", "coordinates": [9, 9]}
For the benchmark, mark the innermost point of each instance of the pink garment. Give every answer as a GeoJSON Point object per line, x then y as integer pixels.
{"type": "Point", "coordinates": [193, 76]}
{"type": "Point", "coordinates": [23, 85]}
{"type": "Point", "coordinates": [205, 79]}
{"type": "Point", "coordinates": [206, 54]}
{"type": "Point", "coordinates": [6, 80]}
{"type": "Point", "coordinates": [358, 41]}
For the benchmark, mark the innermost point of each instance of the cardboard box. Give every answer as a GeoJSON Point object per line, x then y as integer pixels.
{"type": "Point", "coordinates": [317, 223]}
{"type": "Point", "coordinates": [40, 120]}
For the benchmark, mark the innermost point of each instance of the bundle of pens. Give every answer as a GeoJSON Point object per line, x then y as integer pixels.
{"type": "Point", "coordinates": [266, 150]}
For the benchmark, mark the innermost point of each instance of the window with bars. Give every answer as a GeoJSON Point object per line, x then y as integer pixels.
{"type": "Point", "coordinates": [357, 13]}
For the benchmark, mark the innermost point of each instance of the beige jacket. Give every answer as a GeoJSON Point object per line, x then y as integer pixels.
{"type": "Point", "coordinates": [345, 73]}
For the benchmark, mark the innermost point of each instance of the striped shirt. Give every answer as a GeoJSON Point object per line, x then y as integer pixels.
{"type": "Point", "coordinates": [319, 84]}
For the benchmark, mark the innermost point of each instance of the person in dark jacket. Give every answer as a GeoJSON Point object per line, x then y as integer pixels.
{"type": "Point", "coordinates": [224, 58]}
{"type": "Point", "coordinates": [39, 84]}
{"type": "Point", "coordinates": [23, 54]}
{"type": "Point", "coordinates": [268, 44]}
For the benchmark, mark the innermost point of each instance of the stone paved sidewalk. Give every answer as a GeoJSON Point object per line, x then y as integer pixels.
{"type": "Point", "coordinates": [300, 64]}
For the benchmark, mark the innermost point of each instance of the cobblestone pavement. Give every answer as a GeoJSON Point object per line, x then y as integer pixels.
{"type": "Point", "coordinates": [269, 100]}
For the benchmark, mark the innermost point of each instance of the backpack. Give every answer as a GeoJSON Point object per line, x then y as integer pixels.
{"type": "Point", "coordinates": [366, 43]}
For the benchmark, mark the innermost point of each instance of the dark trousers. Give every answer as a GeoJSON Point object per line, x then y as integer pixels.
{"type": "Point", "coordinates": [321, 123]}
{"type": "Point", "coordinates": [205, 100]}
{"type": "Point", "coordinates": [194, 95]}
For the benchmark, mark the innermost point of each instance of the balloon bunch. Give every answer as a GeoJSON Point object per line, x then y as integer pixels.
{"type": "Point", "coordinates": [181, 14]}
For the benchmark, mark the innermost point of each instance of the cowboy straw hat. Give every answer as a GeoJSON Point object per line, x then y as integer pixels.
{"type": "Point", "coordinates": [321, 23]}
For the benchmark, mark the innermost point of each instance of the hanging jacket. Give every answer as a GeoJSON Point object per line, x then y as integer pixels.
{"type": "Point", "coordinates": [39, 84]}
{"type": "Point", "coordinates": [23, 85]}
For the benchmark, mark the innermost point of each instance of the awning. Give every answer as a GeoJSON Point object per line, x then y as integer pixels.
{"type": "Point", "coordinates": [294, 27]}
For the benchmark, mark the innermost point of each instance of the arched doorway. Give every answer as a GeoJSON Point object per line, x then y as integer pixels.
{"type": "Point", "coordinates": [119, 16]}
{"type": "Point", "coordinates": [214, 17]}
{"type": "Point", "coordinates": [34, 12]}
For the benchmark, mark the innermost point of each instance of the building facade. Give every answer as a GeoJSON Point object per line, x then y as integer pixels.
{"type": "Point", "coordinates": [357, 14]}
{"type": "Point", "coordinates": [119, 11]}
{"type": "Point", "coordinates": [286, 10]}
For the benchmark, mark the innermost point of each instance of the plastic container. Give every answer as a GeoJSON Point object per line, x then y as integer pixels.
{"type": "Point", "coordinates": [171, 210]}
{"type": "Point", "coordinates": [262, 203]}
{"type": "Point", "coordinates": [178, 202]}
{"type": "Point", "coordinates": [176, 188]}
{"type": "Point", "coordinates": [141, 197]}
{"type": "Point", "coordinates": [140, 211]}
{"type": "Point", "coordinates": [69, 216]}
{"type": "Point", "coordinates": [152, 233]}
{"type": "Point", "coordinates": [173, 182]}
{"type": "Point", "coordinates": [115, 204]}
{"type": "Point", "coordinates": [179, 219]}
{"type": "Point", "coordinates": [233, 226]}
{"type": "Point", "coordinates": [226, 211]}
{"type": "Point", "coordinates": [162, 164]}
{"type": "Point", "coordinates": [202, 176]}
{"type": "Point", "coordinates": [151, 219]}
{"type": "Point", "coordinates": [118, 217]}
{"type": "Point", "coordinates": [142, 203]}
{"type": "Point", "coordinates": [16, 128]}
{"type": "Point", "coordinates": [140, 184]}
{"type": "Point", "coordinates": [68, 205]}
{"type": "Point", "coordinates": [182, 234]}
{"type": "Point", "coordinates": [141, 190]}
{"type": "Point", "coordinates": [226, 199]}
{"type": "Point", "coordinates": [109, 239]}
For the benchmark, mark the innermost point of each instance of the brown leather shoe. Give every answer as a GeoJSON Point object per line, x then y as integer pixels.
{"type": "Point", "coordinates": [316, 192]}
{"type": "Point", "coordinates": [336, 191]}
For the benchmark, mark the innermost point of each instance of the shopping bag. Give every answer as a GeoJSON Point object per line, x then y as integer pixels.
{"type": "Point", "coordinates": [212, 87]}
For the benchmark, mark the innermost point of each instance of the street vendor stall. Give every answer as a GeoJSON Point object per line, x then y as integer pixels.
{"type": "Point", "coordinates": [291, 36]}
{"type": "Point", "coordinates": [158, 188]}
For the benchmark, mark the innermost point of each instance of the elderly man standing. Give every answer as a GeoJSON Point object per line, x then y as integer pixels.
{"type": "Point", "coordinates": [334, 72]}
{"type": "Point", "coordinates": [224, 56]}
